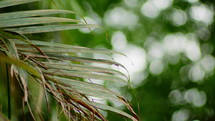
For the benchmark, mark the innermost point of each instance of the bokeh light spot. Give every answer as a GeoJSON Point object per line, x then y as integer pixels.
{"type": "Point", "coordinates": [149, 10]}
{"type": "Point", "coordinates": [208, 63]}
{"type": "Point", "coordinates": [156, 51]}
{"type": "Point", "coordinates": [176, 97]}
{"type": "Point", "coordinates": [193, 1]}
{"type": "Point", "coordinates": [119, 17]}
{"type": "Point", "coordinates": [178, 17]}
{"type": "Point", "coordinates": [202, 13]}
{"type": "Point", "coordinates": [174, 43]}
{"type": "Point", "coordinates": [156, 67]}
{"type": "Point", "coordinates": [192, 50]}
{"type": "Point", "coordinates": [131, 3]}
{"type": "Point", "coordinates": [135, 61]}
{"type": "Point", "coordinates": [195, 97]}
{"type": "Point", "coordinates": [181, 115]}
{"type": "Point", "coordinates": [196, 73]}
{"type": "Point", "coordinates": [118, 38]}
{"type": "Point", "coordinates": [162, 4]}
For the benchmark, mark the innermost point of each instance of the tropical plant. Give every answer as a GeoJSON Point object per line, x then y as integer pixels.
{"type": "Point", "coordinates": [34, 73]}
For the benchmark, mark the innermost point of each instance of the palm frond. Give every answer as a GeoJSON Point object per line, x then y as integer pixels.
{"type": "Point", "coordinates": [8, 3]}
{"type": "Point", "coordinates": [49, 28]}
{"type": "Point", "coordinates": [59, 68]}
{"type": "Point", "coordinates": [32, 13]}
{"type": "Point", "coordinates": [33, 20]}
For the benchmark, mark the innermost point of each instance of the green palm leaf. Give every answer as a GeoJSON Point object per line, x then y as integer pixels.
{"type": "Point", "coordinates": [33, 20]}
{"type": "Point", "coordinates": [58, 68]}
{"type": "Point", "coordinates": [22, 14]}
{"type": "Point", "coordinates": [8, 3]}
{"type": "Point", "coordinates": [50, 28]}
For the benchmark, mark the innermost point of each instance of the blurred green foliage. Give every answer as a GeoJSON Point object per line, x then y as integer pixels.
{"type": "Point", "coordinates": [177, 38]}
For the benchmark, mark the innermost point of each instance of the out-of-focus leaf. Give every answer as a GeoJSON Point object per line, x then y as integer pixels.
{"type": "Point", "coordinates": [7, 3]}
{"type": "Point", "coordinates": [3, 118]}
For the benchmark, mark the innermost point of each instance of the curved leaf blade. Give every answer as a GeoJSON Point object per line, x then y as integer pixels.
{"type": "Point", "coordinates": [89, 89]}
{"type": "Point", "coordinates": [7, 3]}
{"type": "Point", "coordinates": [31, 13]}
{"type": "Point", "coordinates": [6, 59]}
{"type": "Point", "coordinates": [112, 109]}
{"type": "Point", "coordinates": [50, 28]}
{"type": "Point", "coordinates": [51, 47]}
{"type": "Point", "coordinates": [86, 75]}
{"type": "Point", "coordinates": [33, 21]}
{"type": "Point", "coordinates": [81, 67]}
